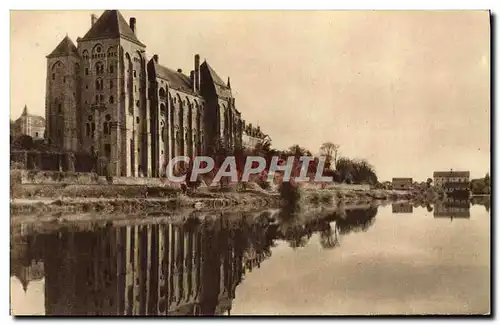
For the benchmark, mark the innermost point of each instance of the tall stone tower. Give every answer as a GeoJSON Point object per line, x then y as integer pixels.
{"type": "Point", "coordinates": [115, 110]}
{"type": "Point", "coordinates": [62, 96]}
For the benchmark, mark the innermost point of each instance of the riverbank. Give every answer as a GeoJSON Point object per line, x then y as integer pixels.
{"type": "Point", "coordinates": [78, 193]}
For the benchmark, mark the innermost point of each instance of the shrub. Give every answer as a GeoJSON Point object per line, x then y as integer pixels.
{"type": "Point", "coordinates": [15, 183]}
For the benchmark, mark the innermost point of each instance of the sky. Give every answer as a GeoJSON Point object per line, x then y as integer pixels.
{"type": "Point", "coordinates": [409, 91]}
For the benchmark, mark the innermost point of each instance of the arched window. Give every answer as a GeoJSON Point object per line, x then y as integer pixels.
{"type": "Point", "coordinates": [111, 84]}
{"type": "Point", "coordinates": [98, 84]}
{"type": "Point", "coordinates": [162, 93]}
{"type": "Point", "coordinates": [87, 129]}
{"type": "Point", "coordinates": [99, 68]}
{"type": "Point", "coordinates": [105, 128]}
{"type": "Point", "coordinates": [101, 98]}
{"type": "Point", "coordinates": [97, 99]}
{"type": "Point", "coordinates": [111, 99]}
{"type": "Point", "coordinates": [111, 68]}
{"type": "Point", "coordinates": [162, 109]}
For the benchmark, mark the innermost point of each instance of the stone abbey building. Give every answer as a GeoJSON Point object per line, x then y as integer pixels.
{"type": "Point", "coordinates": [104, 96]}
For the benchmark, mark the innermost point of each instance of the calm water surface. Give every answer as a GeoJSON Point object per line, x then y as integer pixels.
{"type": "Point", "coordinates": [393, 259]}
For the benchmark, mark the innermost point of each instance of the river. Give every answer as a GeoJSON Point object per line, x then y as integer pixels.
{"type": "Point", "coordinates": [371, 260]}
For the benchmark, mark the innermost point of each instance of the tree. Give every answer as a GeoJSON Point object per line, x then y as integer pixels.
{"type": "Point", "coordinates": [298, 151]}
{"type": "Point", "coordinates": [24, 142]}
{"type": "Point", "coordinates": [429, 182]}
{"type": "Point", "coordinates": [329, 150]}
{"type": "Point", "coordinates": [487, 179]}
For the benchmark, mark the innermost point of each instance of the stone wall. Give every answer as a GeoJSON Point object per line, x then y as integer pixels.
{"type": "Point", "coordinates": [64, 178]}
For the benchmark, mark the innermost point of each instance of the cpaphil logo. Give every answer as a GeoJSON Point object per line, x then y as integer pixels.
{"type": "Point", "coordinates": [293, 168]}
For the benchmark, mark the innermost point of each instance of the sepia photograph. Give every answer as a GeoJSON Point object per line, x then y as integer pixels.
{"type": "Point", "coordinates": [250, 162]}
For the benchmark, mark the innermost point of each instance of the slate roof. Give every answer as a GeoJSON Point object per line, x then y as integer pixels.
{"type": "Point", "coordinates": [66, 47]}
{"type": "Point", "coordinates": [176, 80]}
{"type": "Point", "coordinates": [452, 174]}
{"type": "Point", "coordinates": [402, 179]}
{"type": "Point", "coordinates": [111, 24]}
{"type": "Point", "coordinates": [36, 120]}
{"type": "Point", "coordinates": [220, 87]}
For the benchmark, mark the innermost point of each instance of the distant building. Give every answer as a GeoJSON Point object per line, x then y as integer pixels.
{"type": "Point", "coordinates": [253, 136]}
{"type": "Point", "coordinates": [453, 181]}
{"type": "Point", "coordinates": [402, 208]}
{"type": "Point", "coordinates": [402, 183]}
{"type": "Point", "coordinates": [28, 124]}
{"type": "Point", "coordinates": [452, 208]}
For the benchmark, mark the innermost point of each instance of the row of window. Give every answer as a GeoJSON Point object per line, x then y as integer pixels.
{"type": "Point", "coordinates": [99, 69]}
{"type": "Point", "coordinates": [99, 84]}
{"type": "Point", "coordinates": [99, 99]}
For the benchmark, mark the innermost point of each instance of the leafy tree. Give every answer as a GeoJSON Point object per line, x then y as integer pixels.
{"type": "Point", "coordinates": [298, 151]}
{"type": "Point", "coordinates": [330, 151]}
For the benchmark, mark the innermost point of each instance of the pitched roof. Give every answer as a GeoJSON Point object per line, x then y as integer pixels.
{"type": "Point", "coordinates": [402, 179]}
{"type": "Point", "coordinates": [176, 80]}
{"type": "Point", "coordinates": [220, 87]}
{"type": "Point", "coordinates": [66, 47]}
{"type": "Point", "coordinates": [111, 24]}
{"type": "Point", "coordinates": [452, 174]}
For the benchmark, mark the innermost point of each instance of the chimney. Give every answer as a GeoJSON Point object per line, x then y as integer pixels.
{"type": "Point", "coordinates": [191, 77]}
{"type": "Point", "coordinates": [93, 19]}
{"type": "Point", "coordinates": [133, 25]}
{"type": "Point", "coordinates": [179, 70]}
{"type": "Point", "coordinates": [197, 82]}
{"type": "Point", "coordinates": [156, 58]}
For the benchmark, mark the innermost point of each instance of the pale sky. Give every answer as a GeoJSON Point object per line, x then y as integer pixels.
{"type": "Point", "coordinates": [408, 91]}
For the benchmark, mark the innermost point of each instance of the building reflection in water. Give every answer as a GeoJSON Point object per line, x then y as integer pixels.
{"type": "Point", "coordinates": [452, 208]}
{"type": "Point", "coordinates": [189, 268]}
{"type": "Point", "coordinates": [150, 269]}
{"type": "Point", "coordinates": [402, 207]}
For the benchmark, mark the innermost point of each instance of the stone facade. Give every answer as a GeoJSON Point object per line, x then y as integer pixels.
{"type": "Point", "coordinates": [402, 183]}
{"type": "Point", "coordinates": [253, 136]}
{"type": "Point", "coordinates": [105, 96]}
{"type": "Point", "coordinates": [28, 124]}
{"type": "Point", "coordinates": [442, 179]}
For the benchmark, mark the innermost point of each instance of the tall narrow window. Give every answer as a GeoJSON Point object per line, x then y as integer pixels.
{"type": "Point", "coordinates": [107, 150]}
{"type": "Point", "coordinates": [86, 71]}
{"type": "Point", "coordinates": [111, 99]}
{"type": "Point", "coordinates": [59, 108]}
{"type": "Point", "coordinates": [111, 84]}
{"type": "Point", "coordinates": [53, 76]}
{"type": "Point", "coordinates": [111, 69]}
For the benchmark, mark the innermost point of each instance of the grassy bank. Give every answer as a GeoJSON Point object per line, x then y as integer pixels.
{"type": "Point", "coordinates": [145, 205]}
